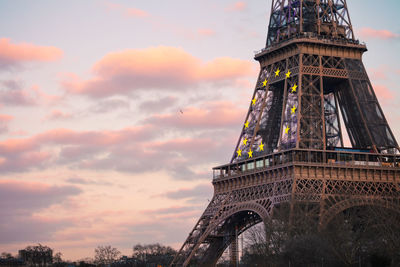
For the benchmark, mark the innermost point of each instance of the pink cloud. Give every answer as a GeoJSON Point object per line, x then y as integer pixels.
{"type": "Point", "coordinates": [25, 153]}
{"type": "Point", "coordinates": [19, 201]}
{"type": "Point", "coordinates": [370, 33]}
{"type": "Point", "coordinates": [12, 146]}
{"type": "Point", "coordinates": [17, 97]}
{"type": "Point", "coordinates": [5, 118]}
{"type": "Point", "coordinates": [45, 98]}
{"type": "Point", "coordinates": [119, 149]}
{"type": "Point", "coordinates": [13, 54]}
{"type": "Point", "coordinates": [58, 115]}
{"type": "Point", "coordinates": [237, 6]}
{"type": "Point", "coordinates": [135, 12]}
{"type": "Point", "coordinates": [206, 32]}
{"type": "Point", "coordinates": [13, 93]}
{"type": "Point", "coordinates": [127, 11]}
{"type": "Point", "coordinates": [100, 138]}
{"type": "Point", "coordinates": [212, 115]}
{"type": "Point", "coordinates": [196, 194]}
{"type": "Point", "coordinates": [87, 150]}
{"type": "Point", "coordinates": [379, 73]}
{"type": "Point", "coordinates": [383, 92]}
{"type": "Point", "coordinates": [155, 68]}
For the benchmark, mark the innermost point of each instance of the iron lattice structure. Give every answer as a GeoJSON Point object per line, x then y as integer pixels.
{"type": "Point", "coordinates": [291, 149]}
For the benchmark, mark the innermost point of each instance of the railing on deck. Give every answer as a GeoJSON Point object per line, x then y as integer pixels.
{"type": "Point", "coordinates": [308, 36]}
{"type": "Point", "coordinates": [311, 157]}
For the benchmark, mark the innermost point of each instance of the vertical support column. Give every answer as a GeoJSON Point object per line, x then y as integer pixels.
{"type": "Point", "coordinates": [321, 88]}
{"type": "Point", "coordinates": [299, 97]}
{"type": "Point", "coordinates": [301, 18]}
{"type": "Point", "coordinates": [317, 8]}
{"type": "Point", "coordinates": [338, 119]}
{"type": "Point", "coordinates": [285, 94]}
{"type": "Point", "coordinates": [364, 123]}
{"type": "Point", "coordinates": [234, 251]}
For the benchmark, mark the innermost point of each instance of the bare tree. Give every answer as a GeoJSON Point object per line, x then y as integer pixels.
{"type": "Point", "coordinates": [39, 255]}
{"type": "Point", "coordinates": [153, 254]}
{"type": "Point", "coordinates": [359, 236]}
{"type": "Point", "coordinates": [106, 255]}
{"type": "Point", "coordinates": [6, 255]}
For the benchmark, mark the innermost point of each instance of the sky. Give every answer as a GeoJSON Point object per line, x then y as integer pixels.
{"type": "Point", "coordinates": [113, 113]}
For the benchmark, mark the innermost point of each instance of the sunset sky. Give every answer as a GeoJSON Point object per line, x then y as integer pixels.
{"type": "Point", "coordinates": [113, 113]}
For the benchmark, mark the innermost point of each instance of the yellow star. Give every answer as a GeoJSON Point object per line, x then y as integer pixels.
{"type": "Point", "coordinates": [246, 125]}
{"type": "Point", "coordinates": [287, 130]}
{"type": "Point", "coordinates": [250, 154]}
{"type": "Point", "coordinates": [265, 82]}
{"type": "Point", "coordinates": [294, 87]}
{"type": "Point", "coordinates": [239, 152]}
{"type": "Point", "coordinates": [288, 74]}
{"type": "Point", "coordinates": [261, 146]}
{"type": "Point", "coordinates": [293, 109]}
{"type": "Point", "coordinates": [253, 101]}
{"type": "Point", "coordinates": [277, 72]}
{"type": "Point", "coordinates": [245, 141]}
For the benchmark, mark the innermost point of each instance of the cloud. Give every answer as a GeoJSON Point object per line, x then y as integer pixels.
{"type": "Point", "coordinates": [82, 181]}
{"type": "Point", "coordinates": [212, 115]}
{"type": "Point", "coordinates": [383, 92]}
{"type": "Point", "coordinates": [204, 133]}
{"type": "Point", "coordinates": [13, 94]}
{"type": "Point", "coordinates": [4, 120]}
{"type": "Point", "coordinates": [127, 11]}
{"type": "Point", "coordinates": [58, 115]}
{"type": "Point", "coordinates": [18, 155]}
{"type": "Point", "coordinates": [206, 32]}
{"type": "Point", "coordinates": [131, 150]}
{"type": "Point", "coordinates": [379, 73]}
{"type": "Point", "coordinates": [197, 194]}
{"type": "Point", "coordinates": [369, 33]}
{"type": "Point", "coordinates": [164, 228]}
{"type": "Point", "coordinates": [157, 68]}
{"type": "Point", "coordinates": [237, 6]}
{"type": "Point", "coordinates": [19, 201]}
{"type": "Point", "coordinates": [17, 196]}
{"type": "Point", "coordinates": [158, 105]}
{"type": "Point", "coordinates": [45, 98]}
{"type": "Point", "coordinates": [169, 210]}
{"type": "Point", "coordinates": [135, 12]}
{"type": "Point", "coordinates": [11, 84]}
{"type": "Point", "coordinates": [13, 55]}
{"type": "Point", "coordinates": [107, 105]}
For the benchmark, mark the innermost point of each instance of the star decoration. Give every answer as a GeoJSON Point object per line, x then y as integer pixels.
{"type": "Point", "coordinates": [277, 72]}
{"type": "Point", "coordinates": [293, 109]}
{"type": "Point", "coordinates": [294, 87]}
{"type": "Point", "coordinates": [261, 146]}
{"type": "Point", "coordinates": [245, 141]}
{"type": "Point", "coordinates": [288, 74]}
{"type": "Point", "coordinates": [246, 125]}
{"type": "Point", "coordinates": [265, 82]}
{"type": "Point", "coordinates": [250, 153]}
{"type": "Point", "coordinates": [239, 152]}
{"type": "Point", "coordinates": [253, 102]}
{"type": "Point", "coordinates": [287, 130]}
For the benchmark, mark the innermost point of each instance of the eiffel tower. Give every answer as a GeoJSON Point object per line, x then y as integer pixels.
{"type": "Point", "coordinates": [291, 148]}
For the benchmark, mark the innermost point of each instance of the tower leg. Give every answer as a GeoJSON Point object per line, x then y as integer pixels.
{"type": "Point", "coordinates": [234, 250]}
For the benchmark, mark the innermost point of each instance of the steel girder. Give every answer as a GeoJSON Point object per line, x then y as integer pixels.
{"type": "Point", "coordinates": [291, 18]}
{"type": "Point", "coordinates": [309, 118]}
{"type": "Point", "coordinates": [243, 200]}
